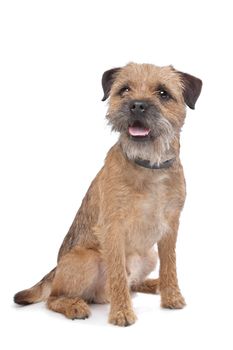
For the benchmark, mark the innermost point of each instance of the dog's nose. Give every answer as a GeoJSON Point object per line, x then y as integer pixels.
{"type": "Point", "coordinates": [138, 107]}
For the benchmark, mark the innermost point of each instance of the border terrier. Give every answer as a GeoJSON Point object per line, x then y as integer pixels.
{"type": "Point", "coordinates": [134, 202]}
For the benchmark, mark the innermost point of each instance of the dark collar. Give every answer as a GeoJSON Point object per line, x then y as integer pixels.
{"type": "Point", "coordinates": [146, 164]}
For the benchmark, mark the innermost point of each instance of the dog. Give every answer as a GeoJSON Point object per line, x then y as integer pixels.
{"type": "Point", "coordinates": [134, 202]}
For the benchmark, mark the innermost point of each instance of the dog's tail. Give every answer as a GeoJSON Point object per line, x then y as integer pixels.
{"type": "Point", "coordinates": [39, 292]}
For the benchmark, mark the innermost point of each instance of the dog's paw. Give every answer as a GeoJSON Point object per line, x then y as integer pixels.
{"type": "Point", "coordinates": [122, 318]}
{"type": "Point", "coordinates": [78, 310]}
{"type": "Point", "coordinates": [172, 299]}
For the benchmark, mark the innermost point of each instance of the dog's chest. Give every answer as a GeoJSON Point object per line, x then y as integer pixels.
{"type": "Point", "coordinates": [146, 222]}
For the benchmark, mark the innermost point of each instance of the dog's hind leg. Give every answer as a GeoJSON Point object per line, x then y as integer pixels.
{"type": "Point", "coordinates": [78, 280]}
{"type": "Point", "coordinates": [70, 307]}
{"type": "Point", "coordinates": [148, 286]}
{"type": "Point", "coordinates": [139, 267]}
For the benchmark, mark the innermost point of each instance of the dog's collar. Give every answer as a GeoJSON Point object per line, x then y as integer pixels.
{"type": "Point", "coordinates": [146, 164]}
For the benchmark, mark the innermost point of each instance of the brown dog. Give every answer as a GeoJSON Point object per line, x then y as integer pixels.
{"type": "Point", "coordinates": [134, 202]}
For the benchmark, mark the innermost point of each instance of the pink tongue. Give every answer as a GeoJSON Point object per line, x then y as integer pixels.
{"type": "Point", "coordinates": [137, 131]}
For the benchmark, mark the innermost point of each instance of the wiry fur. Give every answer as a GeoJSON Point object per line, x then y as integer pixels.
{"type": "Point", "coordinates": [157, 151]}
{"type": "Point", "coordinates": [164, 135]}
{"type": "Point", "coordinates": [109, 249]}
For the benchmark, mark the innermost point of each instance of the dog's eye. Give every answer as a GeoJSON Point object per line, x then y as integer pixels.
{"type": "Point", "coordinates": [124, 90]}
{"type": "Point", "coordinates": [163, 94]}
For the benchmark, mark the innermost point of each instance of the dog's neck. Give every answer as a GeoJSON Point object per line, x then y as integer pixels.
{"type": "Point", "coordinates": [154, 155]}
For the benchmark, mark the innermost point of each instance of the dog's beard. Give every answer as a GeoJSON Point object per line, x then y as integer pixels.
{"type": "Point", "coordinates": [156, 150]}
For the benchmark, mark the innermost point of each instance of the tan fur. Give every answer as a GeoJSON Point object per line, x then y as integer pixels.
{"type": "Point", "coordinates": [143, 79]}
{"type": "Point", "coordinates": [108, 250]}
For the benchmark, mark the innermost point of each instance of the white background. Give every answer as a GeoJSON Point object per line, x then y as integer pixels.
{"type": "Point", "coordinates": [54, 138]}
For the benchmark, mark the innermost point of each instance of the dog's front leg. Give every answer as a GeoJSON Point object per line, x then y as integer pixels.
{"type": "Point", "coordinates": [171, 296]}
{"type": "Point", "coordinates": [121, 312]}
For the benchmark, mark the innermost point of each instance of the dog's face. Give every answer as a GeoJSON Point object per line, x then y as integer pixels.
{"type": "Point", "coordinates": [147, 106]}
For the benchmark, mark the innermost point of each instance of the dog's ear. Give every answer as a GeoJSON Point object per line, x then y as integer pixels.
{"type": "Point", "coordinates": [192, 89]}
{"type": "Point", "coordinates": [107, 81]}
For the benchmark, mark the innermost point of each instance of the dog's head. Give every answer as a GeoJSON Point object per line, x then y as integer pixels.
{"type": "Point", "coordinates": [147, 106]}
